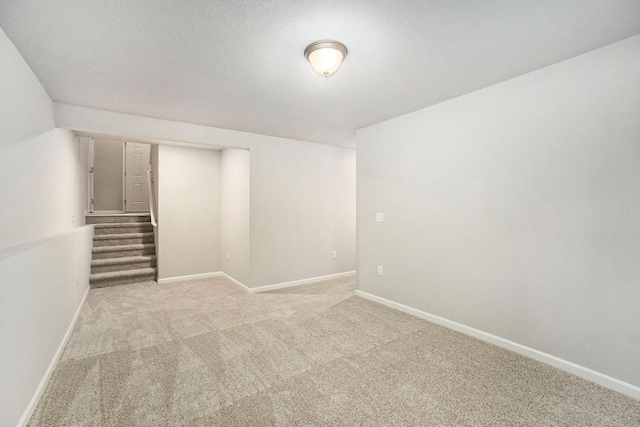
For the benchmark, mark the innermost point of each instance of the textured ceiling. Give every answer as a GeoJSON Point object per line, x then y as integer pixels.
{"type": "Point", "coordinates": [240, 64]}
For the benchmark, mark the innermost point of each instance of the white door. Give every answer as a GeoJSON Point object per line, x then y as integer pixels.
{"type": "Point", "coordinates": [137, 160]}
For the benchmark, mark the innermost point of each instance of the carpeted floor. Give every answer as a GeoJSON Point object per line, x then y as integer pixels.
{"type": "Point", "coordinates": [205, 353]}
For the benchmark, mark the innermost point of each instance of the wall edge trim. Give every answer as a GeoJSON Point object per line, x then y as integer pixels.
{"type": "Point", "coordinates": [259, 289]}
{"type": "Point", "coordinates": [189, 277]}
{"type": "Point", "coordinates": [236, 282]}
{"type": "Point", "coordinates": [26, 415]}
{"type": "Point", "coordinates": [300, 282]}
{"type": "Point", "coordinates": [557, 362]}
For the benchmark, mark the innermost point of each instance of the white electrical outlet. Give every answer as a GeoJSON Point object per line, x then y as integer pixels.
{"type": "Point", "coordinates": [227, 255]}
{"type": "Point", "coordinates": [380, 270]}
{"type": "Point", "coordinates": [379, 217]}
{"type": "Point", "coordinates": [334, 255]}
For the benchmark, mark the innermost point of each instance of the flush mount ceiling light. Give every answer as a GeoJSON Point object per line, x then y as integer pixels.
{"type": "Point", "coordinates": [325, 56]}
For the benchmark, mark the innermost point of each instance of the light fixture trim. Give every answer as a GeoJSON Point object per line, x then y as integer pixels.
{"type": "Point", "coordinates": [326, 44]}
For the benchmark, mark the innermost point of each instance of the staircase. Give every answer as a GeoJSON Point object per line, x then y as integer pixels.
{"type": "Point", "coordinates": [123, 250]}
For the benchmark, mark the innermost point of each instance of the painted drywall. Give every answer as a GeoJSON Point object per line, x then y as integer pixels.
{"type": "Point", "coordinates": [514, 210]}
{"type": "Point", "coordinates": [302, 194]}
{"type": "Point", "coordinates": [42, 284]}
{"type": "Point", "coordinates": [43, 273]}
{"type": "Point", "coordinates": [107, 175]}
{"type": "Point", "coordinates": [25, 108]}
{"type": "Point", "coordinates": [39, 165]}
{"type": "Point", "coordinates": [41, 188]}
{"type": "Point", "coordinates": [189, 211]}
{"type": "Point", "coordinates": [303, 212]}
{"type": "Point", "coordinates": [235, 213]}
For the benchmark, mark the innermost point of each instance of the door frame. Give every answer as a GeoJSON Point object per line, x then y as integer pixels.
{"type": "Point", "coordinates": [90, 166]}
{"type": "Point", "coordinates": [124, 176]}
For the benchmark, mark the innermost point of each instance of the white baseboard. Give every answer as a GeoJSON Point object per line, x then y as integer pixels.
{"type": "Point", "coordinates": [282, 285]}
{"type": "Point", "coordinates": [54, 361]}
{"type": "Point", "coordinates": [203, 276]}
{"type": "Point", "coordinates": [573, 368]}
{"type": "Point", "coordinates": [236, 282]}
{"type": "Point", "coordinates": [259, 288]}
{"type": "Point", "coordinates": [189, 277]}
{"type": "Point", "coordinates": [300, 282]}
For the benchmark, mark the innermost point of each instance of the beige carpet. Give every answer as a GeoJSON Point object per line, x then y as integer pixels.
{"type": "Point", "coordinates": [205, 353]}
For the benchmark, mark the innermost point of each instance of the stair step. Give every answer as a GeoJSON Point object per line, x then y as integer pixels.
{"type": "Point", "coordinates": [115, 219]}
{"type": "Point", "coordinates": [113, 278]}
{"type": "Point", "coordinates": [124, 228]}
{"type": "Point", "coordinates": [120, 251]}
{"type": "Point", "coordinates": [123, 263]}
{"type": "Point", "coordinates": [121, 274]}
{"type": "Point", "coordinates": [123, 260]}
{"type": "Point", "coordinates": [122, 236]}
{"type": "Point", "coordinates": [118, 248]}
{"type": "Point", "coordinates": [122, 239]}
{"type": "Point", "coordinates": [120, 224]}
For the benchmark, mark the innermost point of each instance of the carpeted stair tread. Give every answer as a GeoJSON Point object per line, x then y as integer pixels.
{"type": "Point", "coordinates": [122, 236]}
{"type": "Point", "coordinates": [118, 219]}
{"type": "Point", "coordinates": [122, 260]}
{"type": "Point", "coordinates": [119, 248]}
{"type": "Point", "coordinates": [123, 228]}
{"type": "Point", "coordinates": [121, 224]}
{"type": "Point", "coordinates": [123, 250]}
{"type": "Point", "coordinates": [115, 275]}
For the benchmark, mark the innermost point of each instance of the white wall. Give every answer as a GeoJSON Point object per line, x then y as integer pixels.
{"type": "Point", "coordinates": [515, 210]}
{"type": "Point", "coordinates": [42, 284]}
{"type": "Point", "coordinates": [235, 213]}
{"type": "Point", "coordinates": [25, 107]}
{"type": "Point", "coordinates": [302, 209]}
{"type": "Point", "coordinates": [40, 165]}
{"type": "Point", "coordinates": [302, 194]}
{"type": "Point", "coordinates": [189, 211]}
{"type": "Point", "coordinates": [40, 186]}
{"type": "Point", "coordinates": [42, 195]}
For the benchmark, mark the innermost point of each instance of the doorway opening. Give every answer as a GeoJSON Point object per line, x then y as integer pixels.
{"type": "Point", "coordinates": [120, 177]}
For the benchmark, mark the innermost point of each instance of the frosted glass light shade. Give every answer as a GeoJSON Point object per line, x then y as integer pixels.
{"type": "Point", "coordinates": [325, 56]}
